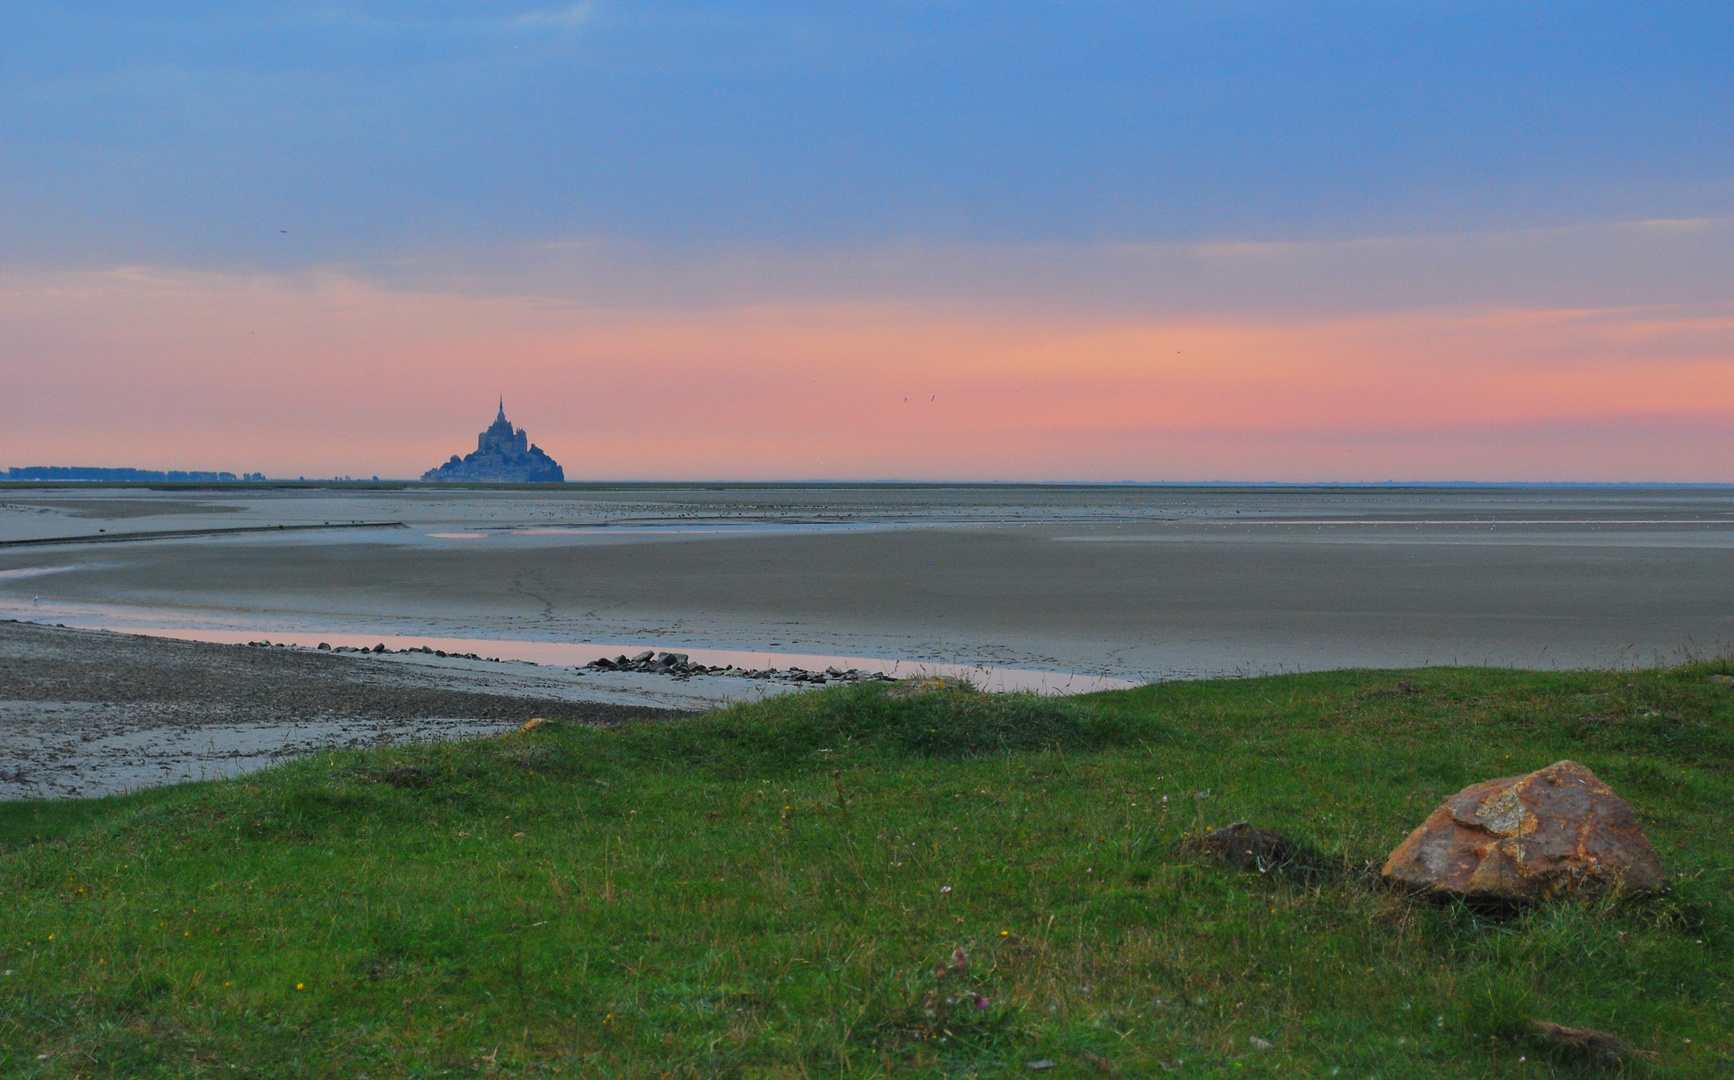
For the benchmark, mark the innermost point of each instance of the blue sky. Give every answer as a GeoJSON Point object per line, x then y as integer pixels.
{"type": "Point", "coordinates": [1231, 240]}
{"type": "Point", "coordinates": [193, 133]}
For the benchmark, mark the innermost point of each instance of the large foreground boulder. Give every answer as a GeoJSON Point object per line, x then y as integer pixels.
{"type": "Point", "coordinates": [1556, 830]}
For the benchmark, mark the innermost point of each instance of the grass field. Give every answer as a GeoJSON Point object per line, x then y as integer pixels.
{"type": "Point", "coordinates": [766, 891]}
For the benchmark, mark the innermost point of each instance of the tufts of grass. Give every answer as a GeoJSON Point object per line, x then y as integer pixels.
{"type": "Point", "coordinates": [786, 888]}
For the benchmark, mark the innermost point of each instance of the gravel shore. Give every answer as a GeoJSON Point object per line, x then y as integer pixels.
{"type": "Point", "coordinates": [86, 713]}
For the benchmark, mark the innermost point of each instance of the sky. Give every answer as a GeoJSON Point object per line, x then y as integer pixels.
{"type": "Point", "coordinates": [977, 241]}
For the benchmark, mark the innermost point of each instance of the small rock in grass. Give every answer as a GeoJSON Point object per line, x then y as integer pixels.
{"type": "Point", "coordinates": [1722, 680]}
{"type": "Point", "coordinates": [1402, 689]}
{"type": "Point", "coordinates": [1039, 1066]}
{"type": "Point", "coordinates": [1521, 838]}
{"type": "Point", "coordinates": [907, 688]}
{"type": "Point", "coordinates": [1257, 1043]}
{"type": "Point", "coordinates": [1600, 1047]}
{"type": "Point", "coordinates": [405, 776]}
{"type": "Point", "coordinates": [1243, 846]}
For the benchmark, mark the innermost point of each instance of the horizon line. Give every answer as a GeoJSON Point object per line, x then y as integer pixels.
{"type": "Point", "coordinates": [832, 482]}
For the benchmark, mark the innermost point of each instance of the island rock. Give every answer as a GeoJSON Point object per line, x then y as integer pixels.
{"type": "Point", "coordinates": [503, 455]}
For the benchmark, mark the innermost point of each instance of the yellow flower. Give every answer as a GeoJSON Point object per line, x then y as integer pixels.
{"type": "Point", "coordinates": [300, 986]}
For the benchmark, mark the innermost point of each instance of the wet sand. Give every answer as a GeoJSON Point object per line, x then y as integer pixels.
{"type": "Point", "coordinates": [1138, 583]}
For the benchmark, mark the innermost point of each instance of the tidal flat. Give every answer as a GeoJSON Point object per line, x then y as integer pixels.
{"type": "Point", "coordinates": [1059, 589]}
{"type": "Point", "coordinates": [1130, 582]}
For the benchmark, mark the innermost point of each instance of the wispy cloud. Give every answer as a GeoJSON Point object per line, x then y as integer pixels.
{"type": "Point", "coordinates": [1621, 265]}
{"type": "Point", "coordinates": [568, 18]}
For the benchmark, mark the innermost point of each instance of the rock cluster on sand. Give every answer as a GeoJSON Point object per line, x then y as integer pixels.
{"type": "Point", "coordinates": [1520, 838]}
{"type": "Point", "coordinates": [380, 650]}
{"type": "Point", "coordinates": [681, 666]}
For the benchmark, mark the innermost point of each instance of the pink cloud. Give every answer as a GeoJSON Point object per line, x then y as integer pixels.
{"type": "Point", "coordinates": [329, 375]}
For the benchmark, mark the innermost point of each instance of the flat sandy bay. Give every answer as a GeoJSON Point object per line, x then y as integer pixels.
{"type": "Point", "coordinates": [1135, 582]}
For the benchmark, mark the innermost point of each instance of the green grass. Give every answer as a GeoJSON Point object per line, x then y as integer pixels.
{"type": "Point", "coordinates": [761, 892]}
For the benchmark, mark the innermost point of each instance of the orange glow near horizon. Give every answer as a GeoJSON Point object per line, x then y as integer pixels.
{"type": "Point", "coordinates": [334, 376]}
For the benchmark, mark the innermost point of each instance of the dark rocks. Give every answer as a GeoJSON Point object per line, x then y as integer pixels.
{"type": "Point", "coordinates": [680, 665]}
{"type": "Point", "coordinates": [424, 651]}
{"type": "Point", "coordinates": [1244, 846]}
{"type": "Point", "coordinates": [1522, 838]}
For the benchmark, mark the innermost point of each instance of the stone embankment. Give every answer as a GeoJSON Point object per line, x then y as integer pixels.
{"type": "Point", "coordinates": [681, 666]}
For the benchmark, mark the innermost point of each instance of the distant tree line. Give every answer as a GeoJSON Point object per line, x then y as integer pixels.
{"type": "Point", "coordinates": [73, 472]}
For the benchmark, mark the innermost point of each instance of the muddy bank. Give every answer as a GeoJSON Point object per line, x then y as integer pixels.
{"type": "Point", "coordinates": [92, 713]}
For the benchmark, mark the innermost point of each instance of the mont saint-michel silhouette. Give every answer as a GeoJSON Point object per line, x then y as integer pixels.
{"type": "Point", "coordinates": [503, 456]}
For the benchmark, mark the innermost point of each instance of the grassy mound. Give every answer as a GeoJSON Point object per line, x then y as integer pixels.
{"type": "Point", "coordinates": [864, 880]}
